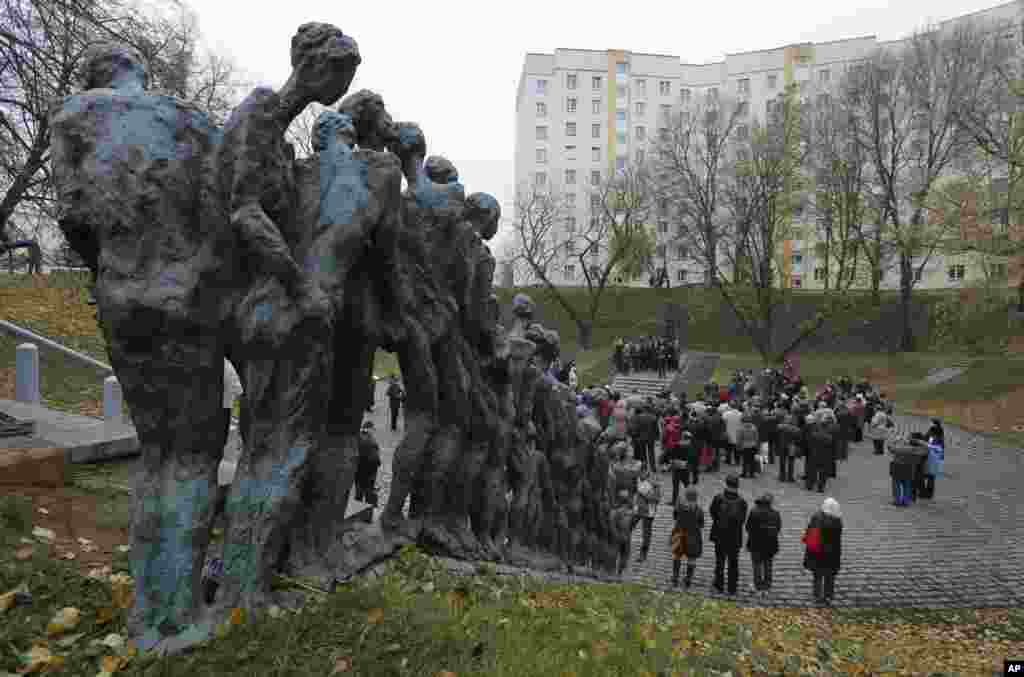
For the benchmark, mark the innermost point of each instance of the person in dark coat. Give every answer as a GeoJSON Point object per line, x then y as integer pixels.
{"type": "Point", "coordinates": [678, 457]}
{"type": "Point", "coordinates": [367, 466]}
{"type": "Point", "coordinates": [687, 540]}
{"type": "Point", "coordinates": [644, 431]}
{"type": "Point", "coordinates": [768, 431]}
{"type": "Point", "coordinates": [788, 438]}
{"type": "Point", "coordinates": [728, 515]}
{"type": "Point", "coordinates": [395, 398]}
{"type": "Point", "coordinates": [824, 564]}
{"type": "Point", "coordinates": [832, 462]}
{"type": "Point", "coordinates": [848, 426]}
{"type": "Point", "coordinates": [763, 526]}
{"type": "Point", "coordinates": [719, 439]}
{"type": "Point", "coordinates": [820, 457]}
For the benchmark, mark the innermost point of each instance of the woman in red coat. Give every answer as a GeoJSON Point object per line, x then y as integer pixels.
{"type": "Point", "coordinates": [823, 561]}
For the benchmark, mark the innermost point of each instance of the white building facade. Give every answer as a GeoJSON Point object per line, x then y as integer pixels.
{"type": "Point", "coordinates": [582, 113]}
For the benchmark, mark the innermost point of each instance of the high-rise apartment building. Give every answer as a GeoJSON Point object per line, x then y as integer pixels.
{"type": "Point", "coordinates": [580, 114]}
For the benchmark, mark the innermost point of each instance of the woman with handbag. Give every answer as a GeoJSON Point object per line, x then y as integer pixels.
{"type": "Point", "coordinates": [823, 539]}
{"type": "Point", "coordinates": [687, 539]}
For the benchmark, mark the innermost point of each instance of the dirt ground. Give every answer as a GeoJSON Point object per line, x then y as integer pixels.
{"type": "Point", "coordinates": [1004, 413]}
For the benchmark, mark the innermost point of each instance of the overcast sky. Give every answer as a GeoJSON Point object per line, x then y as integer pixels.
{"type": "Point", "coordinates": [453, 66]}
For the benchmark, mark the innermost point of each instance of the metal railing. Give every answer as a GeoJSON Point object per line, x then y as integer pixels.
{"type": "Point", "coordinates": [26, 386]}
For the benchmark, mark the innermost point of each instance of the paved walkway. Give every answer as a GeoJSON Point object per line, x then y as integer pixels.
{"type": "Point", "coordinates": [961, 549]}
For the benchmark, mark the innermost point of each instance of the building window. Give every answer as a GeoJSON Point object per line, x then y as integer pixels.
{"type": "Point", "coordinates": [956, 272]}
{"type": "Point", "coordinates": [741, 155]}
{"type": "Point", "coordinates": [824, 100]}
{"type": "Point", "coordinates": [620, 115]}
{"type": "Point", "coordinates": [570, 129]}
{"type": "Point", "coordinates": [666, 112]}
{"type": "Point", "coordinates": [824, 75]}
{"type": "Point", "coordinates": [743, 108]}
{"type": "Point", "coordinates": [595, 131]}
{"type": "Point", "coordinates": [659, 251]}
{"type": "Point", "coordinates": [570, 248]}
{"type": "Point", "coordinates": [680, 252]}
{"type": "Point", "coordinates": [681, 275]}
{"type": "Point", "coordinates": [641, 108]}
{"type": "Point", "coordinates": [570, 224]}
{"type": "Point", "coordinates": [542, 109]}
{"type": "Point", "coordinates": [595, 178]}
{"type": "Point", "coordinates": [684, 95]}
{"type": "Point", "coordinates": [595, 154]}
{"type": "Point", "coordinates": [819, 274]}
{"type": "Point", "coordinates": [570, 152]}
{"type": "Point", "coordinates": [595, 272]}
{"type": "Point", "coordinates": [620, 68]}
{"type": "Point", "coordinates": [918, 274]}
{"type": "Point", "coordinates": [684, 117]}
{"type": "Point", "coordinates": [710, 118]}
{"type": "Point", "coordinates": [663, 207]}
{"type": "Point", "coordinates": [540, 87]}
{"type": "Point", "coordinates": [570, 176]}
{"type": "Point", "coordinates": [595, 221]}
{"type": "Point", "coordinates": [639, 157]}
{"type": "Point", "coordinates": [663, 227]}
{"type": "Point", "coordinates": [713, 95]}
{"type": "Point", "coordinates": [595, 200]}
{"type": "Point", "coordinates": [742, 132]}
{"type": "Point", "coordinates": [542, 156]}
{"type": "Point", "coordinates": [771, 107]}
{"type": "Point", "coordinates": [620, 138]}
{"type": "Point", "coordinates": [641, 133]}
{"type": "Point", "coordinates": [595, 82]}
{"type": "Point", "coordinates": [570, 198]}
{"type": "Point", "coordinates": [570, 81]}
{"type": "Point", "coordinates": [570, 272]}
{"type": "Point", "coordinates": [540, 178]}
{"type": "Point", "coordinates": [595, 106]}
{"type": "Point", "coordinates": [641, 87]}
{"type": "Point", "coordinates": [620, 91]}
{"type": "Point", "coordinates": [542, 133]}
{"type": "Point", "coordinates": [665, 88]}
{"type": "Point", "coordinates": [798, 259]}
{"type": "Point", "coordinates": [743, 86]}
{"type": "Point", "coordinates": [773, 82]}
{"type": "Point", "coordinates": [620, 164]}
{"type": "Point", "coordinates": [798, 283]}
{"type": "Point", "coordinates": [570, 105]}
{"type": "Point", "coordinates": [663, 133]}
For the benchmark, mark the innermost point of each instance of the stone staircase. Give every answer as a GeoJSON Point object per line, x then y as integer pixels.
{"type": "Point", "coordinates": [644, 382]}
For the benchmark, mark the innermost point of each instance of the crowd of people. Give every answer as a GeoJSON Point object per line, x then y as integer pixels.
{"type": "Point", "coordinates": [757, 420]}
{"type": "Point", "coordinates": [647, 354]}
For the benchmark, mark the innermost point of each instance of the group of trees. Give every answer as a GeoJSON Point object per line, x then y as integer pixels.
{"type": "Point", "coordinates": [42, 43]}
{"type": "Point", "coordinates": [912, 152]}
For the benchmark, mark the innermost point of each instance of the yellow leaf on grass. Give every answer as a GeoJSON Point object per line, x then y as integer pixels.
{"type": "Point", "coordinates": [446, 673]}
{"type": "Point", "coordinates": [375, 616]}
{"type": "Point", "coordinates": [104, 615]}
{"type": "Point", "coordinates": [237, 616]}
{"type": "Point", "coordinates": [22, 554]}
{"type": "Point", "coordinates": [7, 601]}
{"type": "Point", "coordinates": [599, 648]}
{"type": "Point", "coordinates": [38, 660]}
{"type": "Point", "coordinates": [122, 589]}
{"type": "Point", "coordinates": [112, 664]}
{"type": "Point", "coordinates": [456, 600]}
{"type": "Point", "coordinates": [64, 620]}
{"type": "Point", "coordinates": [343, 664]}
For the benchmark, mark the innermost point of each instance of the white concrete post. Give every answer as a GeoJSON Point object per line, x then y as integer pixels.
{"type": "Point", "coordinates": [26, 373]}
{"type": "Point", "coordinates": [112, 407]}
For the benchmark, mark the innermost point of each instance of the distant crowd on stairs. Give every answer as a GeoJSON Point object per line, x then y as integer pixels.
{"type": "Point", "coordinates": [646, 354]}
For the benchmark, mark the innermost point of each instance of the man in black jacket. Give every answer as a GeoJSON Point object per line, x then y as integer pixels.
{"type": "Point", "coordinates": [644, 430]}
{"type": "Point", "coordinates": [788, 437]}
{"type": "Point", "coordinates": [395, 398]}
{"type": "Point", "coordinates": [768, 429]}
{"type": "Point", "coordinates": [728, 514]}
{"type": "Point", "coordinates": [369, 463]}
{"type": "Point", "coordinates": [820, 456]}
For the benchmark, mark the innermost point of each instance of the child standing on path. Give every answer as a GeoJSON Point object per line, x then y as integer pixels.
{"type": "Point", "coordinates": [687, 540]}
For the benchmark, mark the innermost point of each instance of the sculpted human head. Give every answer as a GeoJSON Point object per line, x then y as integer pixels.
{"type": "Point", "coordinates": [484, 212]}
{"type": "Point", "coordinates": [375, 129]}
{"type": "Point", "coordinates": [324, 61]}
{"type": "Point", "coordinates": [440, 170]}
{"type": "Point", "coordinates": [114, 65]}
{"type": "Point", "coordinates": [522, 306]}
{"type": "Point", "coordinates": [409, 140]}
{"type": "Point", "coordinates": [332, 125]}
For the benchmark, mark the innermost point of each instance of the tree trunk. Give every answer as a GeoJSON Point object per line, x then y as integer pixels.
{"type": "Point", "coordinates": [876, 285]}
{"type": "Point", "coordinates": [906, 290]}
{"type": "Point", "coordinates": [584, 334]}
{"type": "Point", "coordinates": [1020, 294]}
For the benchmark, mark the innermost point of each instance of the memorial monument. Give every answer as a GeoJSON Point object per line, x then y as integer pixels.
{"type": "Point", "coordinates": [210, 242]}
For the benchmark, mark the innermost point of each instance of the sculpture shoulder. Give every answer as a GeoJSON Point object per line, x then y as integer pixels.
{"type": "Point", "coordinates": [256, 108]}
{"type": "Point", "coordinates": [108, 102]}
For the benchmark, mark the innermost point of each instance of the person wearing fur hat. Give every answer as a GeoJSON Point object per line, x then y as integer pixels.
{"type": "Point", "coordinates": [728, 515]}
{"type": "Point", "coordinates": [823, 559]}
{"type": "Point", "coordinates": [763, 526]}
{"type": "Point", "coordinates": [687, 540]}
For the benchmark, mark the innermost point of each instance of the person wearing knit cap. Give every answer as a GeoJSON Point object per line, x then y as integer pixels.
{"type": "Point", "coordinates": [824, 559]}
{"type": "Point", "coordinates": [763, 526]}
{"type": "Point", "coordinates": [728, 515]}
{"type": "Point", "coordinates": [687, 540]}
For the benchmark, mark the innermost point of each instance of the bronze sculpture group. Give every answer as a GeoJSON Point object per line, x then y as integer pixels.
{"type": "Point", "coordinates": [210, 243]}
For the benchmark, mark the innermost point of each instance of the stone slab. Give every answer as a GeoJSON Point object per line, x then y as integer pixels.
{"type": "Point", "coordinates": [84, 439]}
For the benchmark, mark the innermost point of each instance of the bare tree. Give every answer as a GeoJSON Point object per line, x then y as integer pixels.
{"type": "Point", "coordinates": [41, 46]}
{"type": "Point", "coordinates": [615, 240]}
{"type": "Point", "coordinates": [838, 164]}
{"type": "Point", "coordinates": [300, 132]}
{"type": "Point", "coordinates": [907, 103]}
{"type": "Point", "coordinates": [688, 161]}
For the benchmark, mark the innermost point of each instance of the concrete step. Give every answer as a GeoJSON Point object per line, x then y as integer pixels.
{"type": "Point", "coordinates": [83, 438]}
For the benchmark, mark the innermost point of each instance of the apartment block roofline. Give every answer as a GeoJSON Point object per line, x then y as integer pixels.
{"type": "Point", "coordinates": [979, 11]}
{"type": "Point", "coordinates": [802, 44]}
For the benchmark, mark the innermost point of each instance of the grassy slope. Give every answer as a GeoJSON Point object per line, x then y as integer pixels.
{"type": "Point", "coordinates": [418, 620]}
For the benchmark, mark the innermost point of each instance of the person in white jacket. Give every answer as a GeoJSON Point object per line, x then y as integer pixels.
{"type": "Point", "coordinates": [878, 430]}
{"type": "Point", "coordinates": [229, 463]}
{"type": "Point", "coordinates": [733, 418]}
